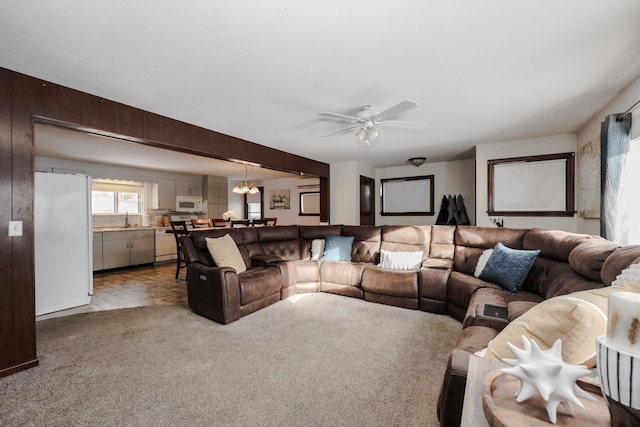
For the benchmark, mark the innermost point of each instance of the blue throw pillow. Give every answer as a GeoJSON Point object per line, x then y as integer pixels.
{"type": "Point", "coordinates": [508, 267]}
{"type": "Point", "coordinates": [337, 248]}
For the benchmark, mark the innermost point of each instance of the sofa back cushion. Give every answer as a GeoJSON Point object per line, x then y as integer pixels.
{"type": "Point", "coordinates": [619, 260]}
{"type": "Point", "coordinates": [471, 241]}
{"type": "Point", "coordinates": [553, 244]}
{"type": "Point", "coordinates": [406, 238]}
{"type": "Point", "coordinates": [281, 241]}
{"type": "Point", "coordinates": [308, 233]}
{"type": "Point", "coordinates": [200, 244]}
{"type": "Point", "coordinates": [366, 242]}
{"type": "Point", "coordinates": [587, 258]}
{"type": "Point", "coordinates": [442, 244]}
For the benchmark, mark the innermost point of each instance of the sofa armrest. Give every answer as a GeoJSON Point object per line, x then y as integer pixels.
{"type": "Point", "coordinates": [214, 292]}
{"type": "Point", "coordinates": [451, 399]}
{"type": "Point", "coordinates": [264, 260]}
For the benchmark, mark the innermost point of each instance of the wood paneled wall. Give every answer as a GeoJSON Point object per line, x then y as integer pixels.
{"type": "Point", "coordinates": [24, 99]}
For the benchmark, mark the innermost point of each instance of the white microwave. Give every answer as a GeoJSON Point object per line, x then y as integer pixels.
{"type": "Point", "coordinates": [189, 204]}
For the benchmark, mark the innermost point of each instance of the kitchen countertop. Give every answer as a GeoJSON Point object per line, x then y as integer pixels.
{"type": "Point", "coordinates": [132, 228]}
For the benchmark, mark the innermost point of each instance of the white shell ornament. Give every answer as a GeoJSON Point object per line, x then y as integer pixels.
{"type": "Point", "coordinates": [544, 373]}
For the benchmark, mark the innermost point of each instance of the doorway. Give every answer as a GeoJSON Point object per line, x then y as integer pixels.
{"type": "Point", "coordinates": [367, 201]}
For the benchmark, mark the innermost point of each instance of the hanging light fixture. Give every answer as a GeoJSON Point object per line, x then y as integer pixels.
{"type": "Point", "coordinates": [368, 132]}
{"type": "Point", "coordinates": [244, 187]}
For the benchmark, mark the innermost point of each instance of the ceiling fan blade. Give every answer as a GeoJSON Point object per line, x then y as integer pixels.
{"type": "Point", "coordinates": [341, 131]}
{"type": "Point", "coordinates": [404, 124]}
{"type": "Point", "coordinates": [396, 109]}
{"type": "Point", "coordinates": [340, 116]}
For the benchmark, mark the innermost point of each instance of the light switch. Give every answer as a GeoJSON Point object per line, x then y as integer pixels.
{"type": "Point", "coordinates": [15, 228]}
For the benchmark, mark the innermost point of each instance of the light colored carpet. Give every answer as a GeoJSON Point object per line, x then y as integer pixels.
{"type": "Point", "coordinates": [313, 359]}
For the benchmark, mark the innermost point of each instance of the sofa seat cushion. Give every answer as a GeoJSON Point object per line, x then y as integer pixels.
{"type": "Point", "coordinates": [461, 287]}
{"type": "Point", "coordinates": [399, 283]}
{"type": "Point", "coordinates": [258, 283]}
{"type": "Point", "coordinates": [341, 273]}
{"type": "Point", "coordinates": [518, 308]}
{"type": "Point", "coordinates": [498, 297]}
{"type": "Point", "coordinates": [307, 271]}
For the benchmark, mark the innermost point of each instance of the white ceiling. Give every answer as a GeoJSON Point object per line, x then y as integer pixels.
{"type": "Point", "coordinates": [480, 71]}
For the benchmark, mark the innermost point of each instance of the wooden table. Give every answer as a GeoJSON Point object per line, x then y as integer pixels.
{"type": "Point", "coordinates": [472, 412]}
{"type": "Point", "coordinates": [594, 414]}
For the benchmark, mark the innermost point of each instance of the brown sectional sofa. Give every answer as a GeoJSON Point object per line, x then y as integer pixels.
{"type": "Point", "coordinates": [279, 265]}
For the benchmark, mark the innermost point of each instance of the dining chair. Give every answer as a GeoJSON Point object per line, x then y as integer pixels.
{"type": "Point", "coordinates": [218, 222]}
{"type": "Point", "coordinates": [240, 223]}
{"type": "Point", "coordinates": [179, 229]}
{"type": "Point", "coordinates": [271, 221]}
{"type": "Point", "coordinates": [201, 223]}
{"type": "Point", "coordinates": [258, 222]}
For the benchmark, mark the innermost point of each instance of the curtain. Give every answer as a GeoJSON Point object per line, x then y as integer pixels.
{"type": "Point", "coordinates": [615, 146]}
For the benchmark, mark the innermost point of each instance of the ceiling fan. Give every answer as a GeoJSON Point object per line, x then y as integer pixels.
{"type": "Point", "coordinates": [368, 119]}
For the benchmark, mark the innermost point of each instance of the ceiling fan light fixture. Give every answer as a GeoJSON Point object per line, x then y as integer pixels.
{"type": "Point", "coordinates": [417, 161]}
{"type": "Point", "coordinates": [362, 134]}
{"type": "Point", "coordinates": [373, 133]}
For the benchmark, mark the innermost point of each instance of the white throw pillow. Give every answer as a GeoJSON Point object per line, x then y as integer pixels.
{"type": "Point", "coordinates": [482, 261]}
{"type": "Point", "coordinates": [225, 253]}
{"type": "Point", "coordinates": [317, 249]}
{"type": "Point", "coordinates": [400, 260]}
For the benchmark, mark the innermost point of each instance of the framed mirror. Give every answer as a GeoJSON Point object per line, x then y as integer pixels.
{"type": "Point", "coordinates": [411, 195]}
{"type": "Point", "coordinates": [532, 186]}
{"type": "Point", "coordinates": [310, 203]}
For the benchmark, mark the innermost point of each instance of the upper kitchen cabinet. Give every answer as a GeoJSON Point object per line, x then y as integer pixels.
{"type": "Point", "coordinates": [188, 188]}
{"type": "Point", "coordinates": [163, 194]}
{"type": "Point", "coordinates": [217, 196]}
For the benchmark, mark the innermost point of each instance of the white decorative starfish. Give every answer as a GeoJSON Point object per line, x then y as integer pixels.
{"type": "Point", "coordinates": [546, 374]}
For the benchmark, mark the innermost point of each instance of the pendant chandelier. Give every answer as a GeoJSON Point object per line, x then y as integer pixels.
{"type": "Point", "coordinates": [244, 187]}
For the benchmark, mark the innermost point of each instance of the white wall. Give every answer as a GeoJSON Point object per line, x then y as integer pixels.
{"type": "Point", "coordinates": [450, 178]}
{"type": "Point", "coordinates": [526, 147]}
{"type": "Point", "coordinates": [345, 191]}
{"type": "Point", "coordinates": [623, 101]}
{"type": "Point", "coordinates": [285, 216]}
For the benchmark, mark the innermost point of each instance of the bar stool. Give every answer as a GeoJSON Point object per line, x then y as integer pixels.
{"type": "Point", "coordinates": [179, 229]}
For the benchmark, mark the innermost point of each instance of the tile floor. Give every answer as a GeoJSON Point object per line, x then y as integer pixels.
{"type": "Point", "coordinates": [133, 287]}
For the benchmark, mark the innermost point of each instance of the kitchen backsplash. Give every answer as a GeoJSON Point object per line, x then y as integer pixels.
{"type": "Point", "coordinates": [118, 220]}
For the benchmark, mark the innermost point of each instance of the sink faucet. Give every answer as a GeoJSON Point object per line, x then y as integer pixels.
{"type": "Point", "coordinates": [126, 219]}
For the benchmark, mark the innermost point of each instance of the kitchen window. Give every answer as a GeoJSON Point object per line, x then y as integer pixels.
{"type": "Point", "coordinates": [109, 197]}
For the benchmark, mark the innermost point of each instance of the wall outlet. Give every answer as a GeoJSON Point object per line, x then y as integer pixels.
{"type": "Point", "coordinates": [15, 228]}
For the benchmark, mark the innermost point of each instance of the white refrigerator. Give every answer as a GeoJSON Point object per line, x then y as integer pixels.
{"type": "Point", "coordinates": [63, 241]}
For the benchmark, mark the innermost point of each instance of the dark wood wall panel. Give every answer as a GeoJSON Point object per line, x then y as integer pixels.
{"type": "Point", "coordinates": [91, 107]}
{"type": "Point", "coordinates": [28, 96]}
{"type": "Point", "coordinates": [324, 199]}
{"type": "Point", "coordinates": [62, 103]}
{"type": "Point", "coordinates": [7, 328]}
{"type": "Point", "coordinates": [152, 129]}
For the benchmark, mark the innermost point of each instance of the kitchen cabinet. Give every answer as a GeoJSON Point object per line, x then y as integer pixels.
{"type": "Point", "coordinates": [217, 196]}
{"type": "Point", "coordinates": [125, 248]}
{"type": "Point", "coordinates": [188, 188]}
{"type": "Point", "coordinates": [163, 194]}
{"type": "Point", "coordinates": [97, 251]}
